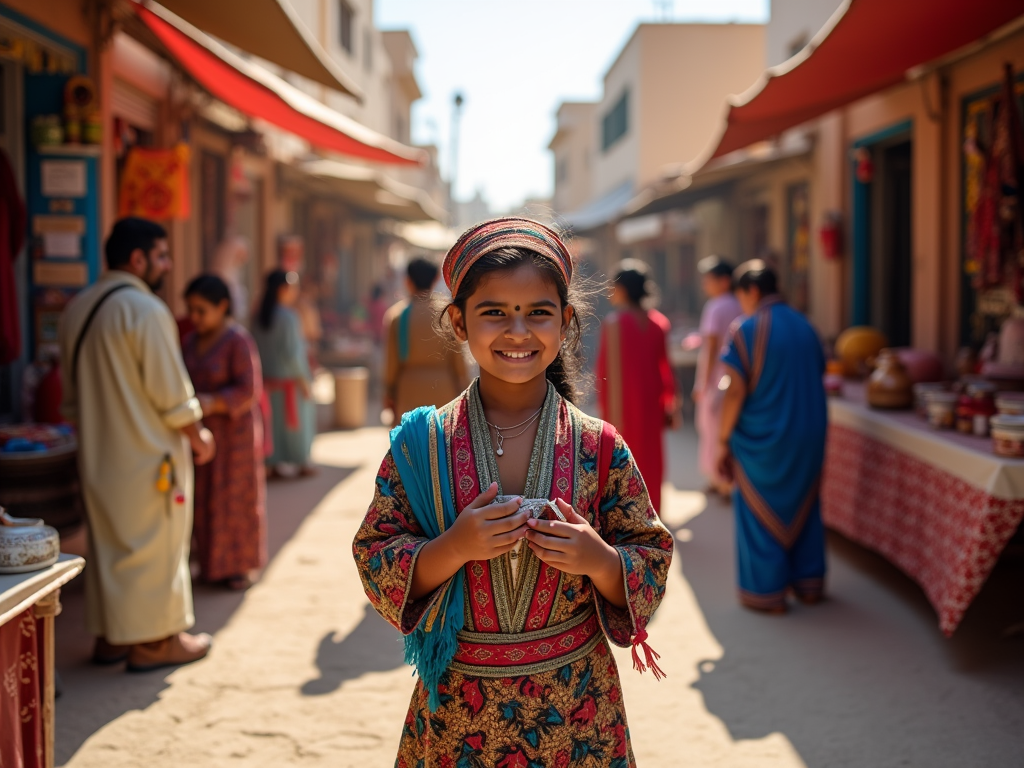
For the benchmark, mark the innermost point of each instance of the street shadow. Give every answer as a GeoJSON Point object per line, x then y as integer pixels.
{"type": "Point", "coordinates": [94, 696]}
{"type": "Point", "coordinates": [866, 678]}
{"type": "Point", "coordinates": [371, 647]}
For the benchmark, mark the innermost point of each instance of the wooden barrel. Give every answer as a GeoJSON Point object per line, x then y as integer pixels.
{"type": "Point", "coordinates": [43, 484]}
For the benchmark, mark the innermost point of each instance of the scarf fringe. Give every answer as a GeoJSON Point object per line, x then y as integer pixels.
{"type": "Point", "coordinates": [650, 654]}
{"type": "Point", "coordinates": [431, 653]}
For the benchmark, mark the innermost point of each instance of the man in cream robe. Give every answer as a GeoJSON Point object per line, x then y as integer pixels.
{"type": "Point", "coordinates": [135, 409]}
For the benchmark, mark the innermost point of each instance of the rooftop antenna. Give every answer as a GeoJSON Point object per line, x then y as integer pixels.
{"type": "Point", "coordinates": [665, 9]}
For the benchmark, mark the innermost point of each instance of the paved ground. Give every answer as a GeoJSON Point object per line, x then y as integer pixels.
{"type": "Point", "coordinates": [304, 673]}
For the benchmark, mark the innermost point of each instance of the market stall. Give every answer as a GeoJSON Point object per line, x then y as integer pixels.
{"type": "Point", "coordinates": [28, 604]}
{"type": "Point", "coordinates": [940, 505]}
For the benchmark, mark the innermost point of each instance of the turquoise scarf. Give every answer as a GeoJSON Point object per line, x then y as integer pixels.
{"type": "Point", "coordinates": [420, 454]}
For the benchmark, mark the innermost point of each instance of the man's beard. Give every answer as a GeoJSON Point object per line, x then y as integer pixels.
{"type": "Point", "coordinates": [154, 283]}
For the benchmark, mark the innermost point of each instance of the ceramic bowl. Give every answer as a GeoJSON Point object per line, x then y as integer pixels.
{"type": "Point", "coordinates": [26, 544]}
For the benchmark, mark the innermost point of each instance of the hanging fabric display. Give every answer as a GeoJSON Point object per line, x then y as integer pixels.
{"type": "Point", "coordinates": [155, 184]}
{"type": "Point", "coordinates": [995, 229]}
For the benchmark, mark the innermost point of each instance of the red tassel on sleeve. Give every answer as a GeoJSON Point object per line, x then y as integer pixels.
{"type": "Point", "coordinates": [652, 656]}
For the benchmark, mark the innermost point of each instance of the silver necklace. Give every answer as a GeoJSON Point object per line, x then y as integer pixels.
{"type": "Point", "coordinates": [500, 441]}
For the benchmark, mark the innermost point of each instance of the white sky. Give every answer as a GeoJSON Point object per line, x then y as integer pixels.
{"type": "Point", "coordinates": [514, 61]}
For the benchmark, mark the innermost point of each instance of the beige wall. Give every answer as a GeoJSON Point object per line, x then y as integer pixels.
{"type": "Point", "coordinates": [828, 194]}
{"type": "Point", "coordinates": [574, 148]}
{"type": "Point", "coordinates": [619, 163]}
{"type": "Point", "coordinates": [687, 71]}
{"type": "Point", "coordinates": [794, 22]}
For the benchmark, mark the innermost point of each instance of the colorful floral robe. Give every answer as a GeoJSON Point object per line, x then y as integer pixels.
{"type": "Point", "coordinates": [511, 698]}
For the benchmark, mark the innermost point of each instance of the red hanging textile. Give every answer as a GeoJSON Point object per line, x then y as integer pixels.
{"type": "Point", "coordinates": [21, 701]}
{"type": "Point", "coordinates": [12, 237]}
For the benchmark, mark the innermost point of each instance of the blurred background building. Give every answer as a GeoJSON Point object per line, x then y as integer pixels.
{"type": "Point", "coordinates": [262, 133]}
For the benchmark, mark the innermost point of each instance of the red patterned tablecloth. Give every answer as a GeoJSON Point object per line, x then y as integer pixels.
{"type": "Point", "coordinates": [21, 715]}
{"type": "Point", "coordinates": [882, 490]}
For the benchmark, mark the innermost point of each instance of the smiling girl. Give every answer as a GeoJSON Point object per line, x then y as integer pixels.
{"type": "Point", "coordinates": [508, 615]}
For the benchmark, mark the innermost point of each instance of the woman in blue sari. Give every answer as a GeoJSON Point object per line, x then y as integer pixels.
{"type": "Point", "coordinates": [772, 443]}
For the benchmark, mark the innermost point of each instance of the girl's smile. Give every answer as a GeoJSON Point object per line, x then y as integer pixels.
{"type": "Point", "coordinates": [514, 323]}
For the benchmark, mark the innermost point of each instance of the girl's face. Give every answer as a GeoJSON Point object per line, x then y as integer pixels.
{"type": "Point", "coordinates": [206, 316]}
{"type": "Point", "coordinates": [514, 323]}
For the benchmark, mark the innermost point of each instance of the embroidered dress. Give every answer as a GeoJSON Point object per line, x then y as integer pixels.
{"type": "Point", "coordinates": [533, 682]}
{"type": "Point", "coordinates": [779, 447]}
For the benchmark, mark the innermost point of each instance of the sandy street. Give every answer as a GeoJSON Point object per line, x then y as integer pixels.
{"type": "Point", "coordinates": [305, 673]}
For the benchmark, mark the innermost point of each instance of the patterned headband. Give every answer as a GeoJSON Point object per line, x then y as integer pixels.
{"type": "Point", "coordinates": [511, 232]}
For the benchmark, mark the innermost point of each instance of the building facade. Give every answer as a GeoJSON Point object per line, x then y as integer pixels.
{"type": "Point", "coordinates": [311, 171]}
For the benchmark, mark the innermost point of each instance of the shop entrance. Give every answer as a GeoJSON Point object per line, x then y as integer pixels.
{"type": "Point", "coordinates": [11, 144]}
{"type": "Point", "coordinates": [882, 239]}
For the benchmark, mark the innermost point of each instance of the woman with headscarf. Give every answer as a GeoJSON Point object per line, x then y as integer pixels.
{"type": "Point", "coordinates": [636, 390]}
{"type": "Point", "coordinates": [287, 378]}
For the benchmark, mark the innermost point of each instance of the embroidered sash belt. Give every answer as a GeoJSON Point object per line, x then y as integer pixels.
{"type": "Point", "coordinates": [496, 654]}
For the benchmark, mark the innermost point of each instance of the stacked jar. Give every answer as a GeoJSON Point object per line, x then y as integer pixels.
{"type": "Point", "coordinates": [975, 407]}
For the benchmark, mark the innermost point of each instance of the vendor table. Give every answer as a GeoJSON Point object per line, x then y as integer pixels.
{"type": "Point", "coordinates": [28, 604]}
{"type": "Point", "coordinates": [938, 504]}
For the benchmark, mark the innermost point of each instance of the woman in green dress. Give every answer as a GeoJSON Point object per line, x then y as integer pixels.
{"type": "Point", "coordinates": [286, 376]}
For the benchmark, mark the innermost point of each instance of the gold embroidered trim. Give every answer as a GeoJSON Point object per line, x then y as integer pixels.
{"type": "Point", "coordinates": [547, 665]}
{"type": "Point", "coordinates": [512, 596]}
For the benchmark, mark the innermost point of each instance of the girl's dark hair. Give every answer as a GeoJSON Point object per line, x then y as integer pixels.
{"type": "Point", "coordinates": [566, 372]}
{"type": "Point", "coordinates": [210, 287]}
{"type": "Point", "coordinates": [275, 281]}
{"type": "Point", "coordinates": [635, 277]}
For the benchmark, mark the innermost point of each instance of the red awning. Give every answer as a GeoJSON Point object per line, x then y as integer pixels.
{"type": "Point", "coordinates": [866, 46]}
{"type": "Point", "coordinates": [257, 92]}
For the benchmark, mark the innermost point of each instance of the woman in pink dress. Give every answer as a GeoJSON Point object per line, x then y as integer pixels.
{"type": "Point", "coordinates": [636, 390]}
{"type": "Point", "coordinates": [230, 521]}
{"type": "Point", "coordinates": [718, 315]}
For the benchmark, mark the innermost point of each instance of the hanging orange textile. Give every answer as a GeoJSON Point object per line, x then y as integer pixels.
{"type": "Point", "coordinates": [155, 184]}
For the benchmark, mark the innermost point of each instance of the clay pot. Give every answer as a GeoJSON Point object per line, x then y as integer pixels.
{"type": "Point", "coordinates": [921, 366]}
{"type": "Point", "coordinates": [890, 386]}
{"type": "Point", "coordinates": [26, 544]}
{"type": "Point", "coordinates": [855, 346]}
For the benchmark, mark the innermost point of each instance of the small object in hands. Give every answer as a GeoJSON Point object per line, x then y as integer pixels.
{"type": "Point", "coordinates": [163, 482]}
{"type": "Point", "coordinates": [538, 508]}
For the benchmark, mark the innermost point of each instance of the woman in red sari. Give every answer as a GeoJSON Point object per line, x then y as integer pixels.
{"type": "Point", "coordinates": [636, 390]}
{"type": "Point", "coordinates": [230, 521]}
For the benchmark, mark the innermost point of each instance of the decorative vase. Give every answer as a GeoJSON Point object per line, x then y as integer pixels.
{"type": "Point", "coordinates": [890, 385]}
{"type": "Point", "coordinates": [855, 346]}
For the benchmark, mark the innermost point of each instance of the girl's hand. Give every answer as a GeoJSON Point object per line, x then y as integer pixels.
{"type": "Point", "coordinates": [484, 530]}
{"type": "Point", "coordinates": [574, 546]}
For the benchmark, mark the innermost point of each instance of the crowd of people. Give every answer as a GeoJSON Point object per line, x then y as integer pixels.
{"type": "Point", "coordinates": [179, 432]}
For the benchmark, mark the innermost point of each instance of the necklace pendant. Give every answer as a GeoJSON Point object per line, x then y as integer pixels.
{"type": "Point", "coordinates": [500, 451]}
